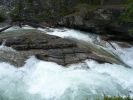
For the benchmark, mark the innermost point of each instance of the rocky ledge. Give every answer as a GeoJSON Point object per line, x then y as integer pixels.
{"type": "Point", "coordinates": [45, 47]}
{"type": "Point", "coordinates": [101, 20]}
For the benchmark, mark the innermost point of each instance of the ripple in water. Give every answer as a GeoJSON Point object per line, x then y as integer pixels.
{"type": "Point", "coordinates": [41, 80]}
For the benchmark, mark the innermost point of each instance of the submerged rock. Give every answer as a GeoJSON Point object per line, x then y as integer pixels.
{"type": "Point", "coordinates": [48, 48]}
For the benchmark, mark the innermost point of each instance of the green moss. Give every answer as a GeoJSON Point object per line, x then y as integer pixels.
{"type": "Point", "coordinates": [127, 16]}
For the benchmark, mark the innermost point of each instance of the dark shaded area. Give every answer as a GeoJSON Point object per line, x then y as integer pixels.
{"type": "Point", "coordinates": [104, 17]}
{"type": "Point", "coordinates": [5, 28]}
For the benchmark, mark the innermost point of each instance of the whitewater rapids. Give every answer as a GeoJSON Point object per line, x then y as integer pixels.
{"type": "Point", "coordinates": [41, 80]}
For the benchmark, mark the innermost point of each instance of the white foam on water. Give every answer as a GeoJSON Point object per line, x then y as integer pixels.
{"type": "Point", "coordinates": [17, 28]}
{"type": "Point", "coordinates": [69, 33]}
{"type": "Point", "coordinates": [49, 81]}
{"type": "Point", "coordinates": [5, 48]}
{"type": "Point", "coordinates": [12, 28]}
{"type": "Point", "coordinates": [126, 54]}
{"type": "Point", "coordinates": [90, 38]}
{"type": "Point", "coordinates": [27, 27]}
{"type": "Point", "coordinates": [122, 74]}
{"type": "Point", "coordinates": [41, 80]}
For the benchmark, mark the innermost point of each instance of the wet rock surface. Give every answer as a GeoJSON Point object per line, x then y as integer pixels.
{"type": "Point", "coordinates": [104, 21]}
{"type": "Point", "coordinates": [45, 47]}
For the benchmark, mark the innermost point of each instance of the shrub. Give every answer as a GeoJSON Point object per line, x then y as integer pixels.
{"type": "Point", "coordinates": [127, 16]}
{"type": "Point", "coordinates": [117, 98]}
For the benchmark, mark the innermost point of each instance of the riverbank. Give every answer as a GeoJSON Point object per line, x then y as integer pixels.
{"type": "Point", "coordinates": [106, 20]}
{"type": "Point", "coordinates": [101, 20]}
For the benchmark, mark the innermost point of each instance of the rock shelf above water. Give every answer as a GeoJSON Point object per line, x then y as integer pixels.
{"type": "Point", "coordinates": [45, 47]}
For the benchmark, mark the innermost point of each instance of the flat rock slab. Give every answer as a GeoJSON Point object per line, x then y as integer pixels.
{"type": "Point", "coordinates": [44, 47]}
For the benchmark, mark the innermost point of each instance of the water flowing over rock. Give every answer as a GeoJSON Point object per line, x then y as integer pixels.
{"type": "Point", "coordinates": [103, 20]}
{"type": "Point", "coordinates": [34, 81]}
{"type": "Point", "coordinates": [49, 48]}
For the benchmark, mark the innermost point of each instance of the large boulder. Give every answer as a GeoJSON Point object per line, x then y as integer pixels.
{"type": "Point", "coordinates": [46, 47]}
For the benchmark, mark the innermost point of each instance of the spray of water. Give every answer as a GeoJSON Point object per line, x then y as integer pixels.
{"type": "Point", "coordinates": [41, 80]}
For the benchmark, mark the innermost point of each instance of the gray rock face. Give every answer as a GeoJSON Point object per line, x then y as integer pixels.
{"type": "Point", "coordinates": [103, 20]}
{"type": "Point", "coordinates": [44, 47]}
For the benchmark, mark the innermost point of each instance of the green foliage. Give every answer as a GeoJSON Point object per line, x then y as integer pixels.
{"type": "Point", "coordinates": [93, 2]}
{"type": "Point", "coordinates": [50, 9]}
{"type": "Point", "coordinates": [16, 12]}
{"type": "Point", "coordinates": [86, 7]}
{"type": "Point", "coordinates": [128, 1]}
{"type": "Point", "coordinates": [131, 31]}
{"type": "Point", "coordinates": [117, 98]}
{"type": "Point", "coordinates": [28, 11]}
{"type": "Point", "coordinates": [127, 16]}
{"type": "Point", "coordinates": [84, 10]}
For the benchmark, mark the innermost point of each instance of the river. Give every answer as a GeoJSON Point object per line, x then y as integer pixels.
{"type": "Point", "coordinates": [42, 80]}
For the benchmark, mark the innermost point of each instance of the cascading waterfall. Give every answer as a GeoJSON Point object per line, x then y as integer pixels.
{"type": "Point", "coordinates": [41, 80]}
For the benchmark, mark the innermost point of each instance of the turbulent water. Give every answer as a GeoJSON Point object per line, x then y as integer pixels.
{"type": "Point", "coordinates": [41, 80]}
